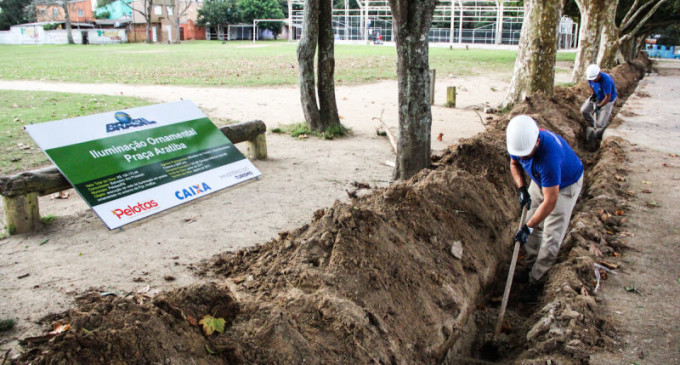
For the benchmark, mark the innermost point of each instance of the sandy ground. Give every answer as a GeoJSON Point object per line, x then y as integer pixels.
{"type": "Point", "coordinates": [41, 272]}
{"type": "Point", "coordinates": [648, 317]}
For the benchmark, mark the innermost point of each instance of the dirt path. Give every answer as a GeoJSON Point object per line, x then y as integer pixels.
{"type": "Point", "coordinates": [648, 316]}
{"type": "Point", "coordinates": [301, 176]}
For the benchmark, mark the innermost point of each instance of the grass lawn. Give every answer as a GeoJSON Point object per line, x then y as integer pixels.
{"type": "Point", "coordinates": [238, 63]}
{"type": "Point", "coordinates": [19, 108]}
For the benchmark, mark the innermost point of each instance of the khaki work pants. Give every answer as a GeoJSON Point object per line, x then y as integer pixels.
{"type": "Point", "coordinates": [601, 118]}
{"type": "Point", "coordinates": [545, 241]}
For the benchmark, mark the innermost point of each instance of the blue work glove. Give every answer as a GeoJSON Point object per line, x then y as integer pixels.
{"type": "Point", "coordinates": [522, 236]}
{"type": "Point", "coordinates": [524, 198]}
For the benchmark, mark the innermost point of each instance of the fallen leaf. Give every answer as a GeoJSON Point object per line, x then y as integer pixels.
{"type": "Point", "coordinates": [653, 203]}
{"type": "Point", "coordinates": [616, 254]}
{"type": "Point", "coordinates": [630, 193]}
{"type": "Point", "coordinates": [212, 324]}
{"type": "Point", "coordinates": [620, 212]}
{"type": "Point", "coordinates": [646, 182]}
{"type": "Point", "coordinates": [619, 178]}
{"type": "Point", "coordinates": [192, 321]}
{"type": "Point", "coordinates": [673, 154]}
{"type": "Point", "coordinates": [43, 241]}
{"type": "Point", "coordinates": [647, 191]}
{"type": "Point", "coordinates": [59, 327]}
{"type": "Point", "coordinates": [210, 351]}
{"type": "Point", "coordinates": [584, 291]}
{"type": "Point", "coordinates": [440, 136]}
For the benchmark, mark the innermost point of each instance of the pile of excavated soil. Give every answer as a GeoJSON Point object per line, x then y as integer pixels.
{"type": "Point", "coordinates": [402, 275]}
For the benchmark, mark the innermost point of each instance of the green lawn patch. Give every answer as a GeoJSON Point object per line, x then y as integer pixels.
{"type": "Point", "coordinates": [236, 63]}
{"type": "Point", "coordinates": [19, 108]}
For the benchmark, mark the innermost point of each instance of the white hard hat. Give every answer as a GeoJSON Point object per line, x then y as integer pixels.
{"type": "Point", "coordinates": [591, 72]}
{"type": "Point", "coordinates": [521, 135]}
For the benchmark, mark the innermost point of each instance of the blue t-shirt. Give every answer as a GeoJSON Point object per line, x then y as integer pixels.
{"type": "Point", "coordinates": [603, 86]}
{"type": "Point", "coordinates": [554, 162]}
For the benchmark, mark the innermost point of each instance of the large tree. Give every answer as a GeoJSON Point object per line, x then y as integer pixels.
{"type": "Point", "coordinates": [317, 30]}
{"type": "Point", "coordinates": [619, 43]}
{"type": "Point", "coordinates": [179, 10]}
{"type": "Point", "coordinates": [535, 63]}
{"type": "Point", "coordinates": [14, 12]}
{"type": "Point", "coordinates": [412, 21]}
{"type": "Point", "coordinates": [262, 9]}
{"type": "Point", "coordinates": [145, 9]}
{"type": "Point", "coordinates": [621, 28]}
{"type": "Point", "coordinates": [217, 13]}
{"type": "Point", "coordinates": [589, 35]}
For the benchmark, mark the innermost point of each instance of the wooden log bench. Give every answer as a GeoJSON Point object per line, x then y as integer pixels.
{"type": "Point", "coordinates": [20, 192]}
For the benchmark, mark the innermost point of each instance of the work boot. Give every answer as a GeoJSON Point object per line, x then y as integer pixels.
{"type": "Point", "coordinates": [590, 134]}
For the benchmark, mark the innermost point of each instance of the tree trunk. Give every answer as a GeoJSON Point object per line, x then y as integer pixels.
{"type": "Point", "coordinates": [412, 21]}
{"type": "Point", "coordinates": [67, 21]}
{"type": "Point", "coordinates": [326, 72]}
{"type": "Point", "coordinates": [305, 53]}
{"type": "Point", "coordinates": [609, 37]}
{"type": "Point", "coordinates": [147, 17]}
{"type": "Point", "coordinates": [535, 64]}
{"type": "Point", "coordinates": [591, 18]}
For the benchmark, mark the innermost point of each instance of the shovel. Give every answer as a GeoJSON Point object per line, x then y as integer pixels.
{"type": "Point", "coordinates": [508, 282]}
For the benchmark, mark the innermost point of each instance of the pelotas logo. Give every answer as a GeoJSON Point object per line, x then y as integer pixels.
{"type": "Point", "coordinates": [192, 191]}
{"type": "Point", "coordinates": [125, 121]}
{"type": "Point", "coordinates": [135, 209]}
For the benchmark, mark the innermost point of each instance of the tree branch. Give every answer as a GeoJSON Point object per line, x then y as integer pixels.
{"type": "Point", "coordinates": [642, 22]}
{"type": "Point", "coordinates": [628, 23]}
{"type": "Point", "coordinates": [629, 13]}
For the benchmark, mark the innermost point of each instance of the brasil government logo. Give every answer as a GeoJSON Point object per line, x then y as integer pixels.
{"type": "Point", "coordinates": [125, 121]}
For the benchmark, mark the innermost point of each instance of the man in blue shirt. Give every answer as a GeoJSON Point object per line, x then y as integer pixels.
{"type": "Point", "coordinates": [556, 179]}
{"type": "Point", "coordinates": [598, 108]}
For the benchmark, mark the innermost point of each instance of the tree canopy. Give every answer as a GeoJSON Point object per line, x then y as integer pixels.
{"type": "Point", "coordinates": [14, 12]}
{"type": "Point", "coordinates": [219, 12]}
{"type": "Point", "coordinates": [262, 9]}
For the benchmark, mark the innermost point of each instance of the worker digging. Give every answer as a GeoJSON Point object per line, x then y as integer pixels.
{"type": "Point", "coordinates": [556, 179]}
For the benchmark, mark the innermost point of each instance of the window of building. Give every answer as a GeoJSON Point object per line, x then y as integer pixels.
{"type": "Point", "coordinates": [55, 13]}
{"type": "Point", "coordinates": [158, 10]}
{"type": "Point", "coordinates": [81, 13]}
{"type": "Point", "coordinates": [169, 10]}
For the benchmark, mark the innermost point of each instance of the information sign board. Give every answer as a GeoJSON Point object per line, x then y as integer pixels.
{"type": "Point", "coordinates": [133, 163]}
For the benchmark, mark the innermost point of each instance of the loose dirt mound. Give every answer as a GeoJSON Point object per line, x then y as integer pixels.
{"type": "Point", "coordinates": [375, 280]}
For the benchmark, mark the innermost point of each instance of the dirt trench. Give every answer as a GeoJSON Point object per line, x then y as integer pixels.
{"type": "Point", "coordinates": [375, 280]}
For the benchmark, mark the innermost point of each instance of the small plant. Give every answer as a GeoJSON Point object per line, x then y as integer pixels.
{"type": "Point", "coordinates": [299, 129]}
{"type": "Point", "coordinates": [48, 218]}
{"type": "Point", "coordinates": [278, 131]}
{"type": "Point", "coordinates": [51, 26]}
{"type": "Point", "coordinates": [7, 324]}
{"type": "Point", "coordinates": [335, 131]}
{"type": "Point", "coordinates": [493, 89]}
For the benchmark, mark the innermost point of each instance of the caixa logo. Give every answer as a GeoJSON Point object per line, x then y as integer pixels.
{"type": "Point", "coordinates": [125, 122]}
{"type": "Point", "coordinates": [130, 211]}
{"type": "Point", "coordinates": [192, 191]}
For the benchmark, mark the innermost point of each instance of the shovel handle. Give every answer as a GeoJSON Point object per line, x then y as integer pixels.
{"type": "Point", "coordinates": [508, 282]}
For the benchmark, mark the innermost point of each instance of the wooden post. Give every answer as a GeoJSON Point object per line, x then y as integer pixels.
{"type": "Point", "coordinates": [451, 96]}
{"type": "Point", "coordinates": [21, 213]}
{"type": "Point", "coordinates": [257, 147]}
{"type": "Point", "coordinates": [433, 74]}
